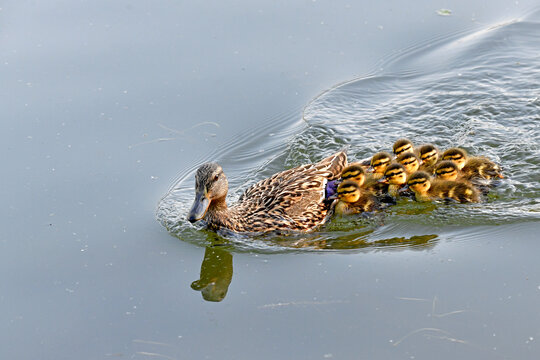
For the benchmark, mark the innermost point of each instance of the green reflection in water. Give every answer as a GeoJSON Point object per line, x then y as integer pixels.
{"type": "Point", "coordinates": [216, 274]}
{"type": "Point", "coordinates": [217, 265]}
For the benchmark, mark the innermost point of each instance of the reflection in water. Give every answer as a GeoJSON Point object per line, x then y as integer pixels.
{"type": "Point", "coordinates": [216, 274]}
{"type": "Point", "coordinates": [217, 266]}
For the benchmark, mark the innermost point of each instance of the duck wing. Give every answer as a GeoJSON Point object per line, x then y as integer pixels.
{"type": "Point", "coordinates": [292, 198]}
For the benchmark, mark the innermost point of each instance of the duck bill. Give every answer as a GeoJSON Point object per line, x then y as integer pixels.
{"type": "Point", "coordinates": [370, 169]}
{"type": "Point", "coordinates": [199, 207]}
{"type": "Point", "coordinates": [383, 180]}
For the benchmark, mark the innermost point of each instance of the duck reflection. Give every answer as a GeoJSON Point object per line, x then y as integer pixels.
{"type": "Point", "coordinates": [216, 274]}
{"type": "Point", "coordinates": [217, 265]}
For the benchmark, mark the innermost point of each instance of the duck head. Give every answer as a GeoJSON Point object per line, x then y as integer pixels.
{"type": "Point", "coordinates": [211, 188]}
{"type": "Point", "coordinates": [379, 162]}
{"type": "Point", "coordinates": [395, 174]}
{"type": "Point", "coordinates": [447, 170]}
{"type": "Point", "coordinates": [354, 172]}
{"type": "Point", "coordinates": [349, 191]}
{"type": "Point", "coordinates": [457, 155]}
{"type": "Point", "coordinates": [402, 146]}
{"type": "Point", "coordinates": [428, 154]}
{"type": "Point", "coordinates": [419, 182]}
{"type": "Point", "coordinates": [410, 162]}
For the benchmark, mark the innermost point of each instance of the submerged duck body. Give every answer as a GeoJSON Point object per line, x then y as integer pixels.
{"type": "Point", "coordinates": [293, 199]}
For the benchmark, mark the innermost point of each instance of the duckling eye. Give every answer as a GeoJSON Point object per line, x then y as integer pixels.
{"type": "Point", "coordinates": [216, 177]}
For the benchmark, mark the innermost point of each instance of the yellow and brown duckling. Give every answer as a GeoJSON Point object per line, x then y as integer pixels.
{"type": "Point", "coordinates": [396, 178]}
{"type": "Point", "coordinates": [457, 155]}
{"type": "Point", "coordinates": [427, 189]}
{"type": "Point", "coordinates": [354, 172]}
{"type": "Point", "coordinates": [293, 199]}
{"type": "Point", "coordinates": [379, 163]}
{"type": "Point", "coordinates": [402, 146]}
{"type": "Point", "coordinates": [352, 199]}
{"type": "Point", "coordinates": [410, 162]}
{"type": "Point", "coordinates": [481, 168]}
{"type": "Point", "coordinates": [448, 170]}
{"type": "Point", "coordinates": [429, 155]}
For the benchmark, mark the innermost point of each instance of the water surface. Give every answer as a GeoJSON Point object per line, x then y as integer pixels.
{"type": "Point", "coordinates": [108, 105]}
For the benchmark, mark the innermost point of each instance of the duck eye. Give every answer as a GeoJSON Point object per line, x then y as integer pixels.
{"type": "Point", "coordinates": [216, 177]}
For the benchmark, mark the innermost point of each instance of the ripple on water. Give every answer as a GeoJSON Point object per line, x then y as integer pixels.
{"type": "Point", "coordinates": [478, 91]}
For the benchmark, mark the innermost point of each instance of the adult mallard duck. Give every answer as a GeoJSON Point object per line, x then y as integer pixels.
{"type": "Point", "coordinates": [293, 199]}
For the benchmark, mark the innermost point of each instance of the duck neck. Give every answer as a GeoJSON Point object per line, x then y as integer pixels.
{"type": "Point", "coordinates": [218, 205]}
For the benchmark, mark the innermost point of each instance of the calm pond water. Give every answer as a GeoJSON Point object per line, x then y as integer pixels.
{"type": "Point", "coordinates": [109, 107]}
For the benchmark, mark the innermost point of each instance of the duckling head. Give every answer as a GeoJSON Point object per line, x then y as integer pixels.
{"type": "Point", "coordinates": [402, 146]}
{"type": "Point", "coordinates": [395, 174]}
{"type": "Point", "coordinates": [410, 162]}
{"type": "Point", "coordinates": [447, 170]}
{"type": "Point", "coordinates": [457, 155]}
{"type": "Point", "coordinates": [354, 172]}
{"type": "Point", "coordinates": [211, 186]}
{"type": "Point", "coordinates": [349, 191]}
{"type": "Point", "coordinates": [429, 154]}
{"type": "Point", "coordinates": [419, 182]}
{"type": "Point", "coordinates": [483, 168]}
{"type": "Point", "coordinates": [379, 162]}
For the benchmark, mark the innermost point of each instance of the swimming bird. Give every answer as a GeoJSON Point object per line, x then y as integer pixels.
{"type": "Point", "coordinates": [354, 172]}
{"type": "Point", "coordinates": [410, 162]}
{"type": "Point", "coordinates": [402, 146]}
{"type": "Point", "coordinates": [481, 168]}
{"type": "Point", "coordinates": [396, 178]}
{"type": "Point", "coordinates": [448, 170]}
{"type": "Point", "coordinates": [293, 199]}
{"type": "Point", "coordinates": [427, 189]}
{"type": "Point", "coordinates": [457, 155]}
{"type": "Point", "coordinates": [378, 164]}
{"type": "Point", "coordinates": [352, 199]}
{"type": "Point", "coordinates": [429, 155]}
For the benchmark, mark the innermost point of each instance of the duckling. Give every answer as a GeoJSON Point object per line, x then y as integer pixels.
{"type": "Point", "coordinates": [457, 155]}
{"type": "Point", "coordinates": [402, 146]}
{"type": "Point", "coordinates": [354, 172]}
{"type": "Point", "coordinates": [481, 168]}
{"type": "Point", "coordinates": [447, 170]}
{"type": "Point", "coordinates": [352, 199]}
{"type": "Point", "coordinates": [426, 189]}
{"type": "Point", "coordinates": [410, 162]}
{"type": "Point", "coordinates": [378, 164]}
{"type": "Point", "coordinates": [396, 178]}
{"type": "Point", "coordinates": [429, 155]}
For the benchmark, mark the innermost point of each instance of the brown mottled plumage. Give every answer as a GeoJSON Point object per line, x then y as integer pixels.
{"type": "Point", "coordinates": [290, 200]}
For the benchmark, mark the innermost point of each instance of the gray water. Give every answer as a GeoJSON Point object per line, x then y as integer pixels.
{"type": "Point", "coordinates": [109, 107]}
